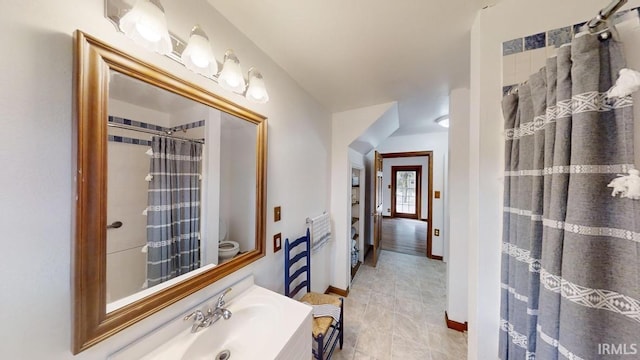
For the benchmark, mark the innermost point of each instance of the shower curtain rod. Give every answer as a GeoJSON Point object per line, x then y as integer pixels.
{"type": "Point", "coordinates": [153, 132]}
{"type": "Point", "coordinates": [593, 25]}
{"type": "Point", "coordinates": [605, 13]}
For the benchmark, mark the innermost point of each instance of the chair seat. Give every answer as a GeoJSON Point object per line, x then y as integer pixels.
{"type": "Point", "coordinates": [321, 324]}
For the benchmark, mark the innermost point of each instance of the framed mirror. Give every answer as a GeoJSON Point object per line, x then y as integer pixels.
{"type": "Point", "coordinates": [171, 190]}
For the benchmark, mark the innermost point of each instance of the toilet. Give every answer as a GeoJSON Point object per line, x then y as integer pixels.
{"type": "Point", "coordinates": [226, 249]}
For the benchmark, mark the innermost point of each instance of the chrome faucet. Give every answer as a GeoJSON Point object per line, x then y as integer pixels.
{"type": "Point", "coordinates": [220, 303]}
{"type": "Point", "coordinates": [200, 320]}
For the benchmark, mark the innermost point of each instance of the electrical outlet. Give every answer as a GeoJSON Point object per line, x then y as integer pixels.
{"type": "Point", "coordinates": [436, 232]}
{"type": "Point", "coordinates": [437, 195]}
{"type": "Point", "coordinates": [277, 214]}
{"type": "Point", "coordinates": [277, 242]}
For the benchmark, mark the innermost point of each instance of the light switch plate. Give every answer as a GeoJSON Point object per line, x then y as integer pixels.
{"type": "Point", "coordinates": [277, 242]}
{"type": "Point", "coordinates": [437, 195]}
{"type": "Point", "coordinates": [277, 214]}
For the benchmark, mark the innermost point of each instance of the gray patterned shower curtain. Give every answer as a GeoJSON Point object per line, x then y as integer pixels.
{"type": "Point", "coordinates": [571, 251]}
{"type": "Point", "coordinates": [173, 212]}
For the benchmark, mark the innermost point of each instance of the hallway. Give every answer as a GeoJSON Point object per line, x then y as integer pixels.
{"type": "Point", "coordinates": [405, 236]}
{"type": "Point", "coordinates": [391, 314]}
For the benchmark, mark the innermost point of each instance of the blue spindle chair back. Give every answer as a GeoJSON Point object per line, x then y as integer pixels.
{"type": "Point", "coordinates": [301, 247]}
{"type": "Point", "coordinates": [297, 255]}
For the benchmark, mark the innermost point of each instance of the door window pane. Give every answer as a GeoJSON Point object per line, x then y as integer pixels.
{"type": "Point", "coordinates": [406, 192]}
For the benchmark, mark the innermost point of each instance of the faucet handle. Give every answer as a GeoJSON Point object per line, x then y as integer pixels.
{"type": "Point", "coordinates": [221, 298]}
{"type": "Point", "coordinates": [199, 316]}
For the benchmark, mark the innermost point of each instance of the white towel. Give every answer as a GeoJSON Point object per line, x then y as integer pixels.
{"type": "Point", "coordinates": [320, 228]}
{"type": "Point", "coordinates": [325, 310]}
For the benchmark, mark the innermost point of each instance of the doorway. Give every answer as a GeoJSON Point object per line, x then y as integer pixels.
{"type": "Point", "coordinates": [402, 202]}
{"type": "Point", "coordinates": [406, 191]}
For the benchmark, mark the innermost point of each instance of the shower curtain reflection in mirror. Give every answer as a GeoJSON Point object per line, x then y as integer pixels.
{"type": "Point", "coordinates": [163, 182]}
{"type": "Point", "coordinates": [173, 212]}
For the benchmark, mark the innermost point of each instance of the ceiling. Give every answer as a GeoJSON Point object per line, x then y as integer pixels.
{"type": "Point", "coordinates": [352, 54]}
{"type": "Point", "coordinates": [139, 93]}
{"type": "Point", "coordinates": [133, 91]}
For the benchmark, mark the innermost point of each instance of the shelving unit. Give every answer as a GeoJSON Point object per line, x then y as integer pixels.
{"type": "Point", "coordinates": [357, 212]}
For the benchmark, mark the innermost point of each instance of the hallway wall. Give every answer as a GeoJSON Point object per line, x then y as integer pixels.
{"type": "Point", "coordinates": [346, 127]}
{"type": "Point", "coordinates": [458, 206]}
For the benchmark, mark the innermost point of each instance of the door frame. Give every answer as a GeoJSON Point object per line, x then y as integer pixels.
{"type": "Point", "coordinates": [377, 210]}
{"type": "Point", "coordinates": [429, 194]}
{"type": "Point", "coordinates": [418, 170]}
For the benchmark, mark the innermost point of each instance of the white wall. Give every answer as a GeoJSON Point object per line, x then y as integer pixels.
{"type": "Point", "coordinates": [128, 165]}
{"type": "Point", "coordinates": [126, 199]}
{"type": "Point", "coordinates": [237, 190]}
{"type": "Point", "coordinates": [458, 205]}
{"type": "Point", "coordinates": [421, 161]}
{"type": "Point", "coordinates": [211, 180]}
{"type": "Point", "coordinates": [346, 127]}
{"type": "Point", "coordinates": [507, 20]}
{"type": "Point", "coordinates": [439, 144]}
{"type": "Point", "coordinates": [37, 197]}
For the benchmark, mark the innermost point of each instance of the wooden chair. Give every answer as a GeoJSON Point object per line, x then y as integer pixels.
{"type": "Point", "coordinates": [326, 331]}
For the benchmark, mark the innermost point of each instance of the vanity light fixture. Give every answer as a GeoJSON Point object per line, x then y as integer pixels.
{"type": "Point", "coordinates": [198, 55]}
{"type": "Point", "coordinates": [146, 24]}
{"type": "Point", "coordinates": [443, 121]}
{"type": "Point", "coordinates": [231, 77]}
{"type": "Point", "coordinates": [256, 91]}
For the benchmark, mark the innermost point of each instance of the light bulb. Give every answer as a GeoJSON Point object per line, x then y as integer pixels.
{"type": "Point", "coordinates": [146, 24]}
{"type": "Point", "coordinates": [199, 59]}
{"type": "Point", "coordinates": [231, 77]}
{"type": "Point", "coordinates": [198, 55]}
{"type": "Point", "coordinates": [148, 33]}
{"type": "Point", "coordinates": [256, 91]}
{"type": "Point", "coordinates": [233, 80]}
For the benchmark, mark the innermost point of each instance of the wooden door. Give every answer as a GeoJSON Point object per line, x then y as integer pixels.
{"type": "Point", "coordinates": [377, 212]}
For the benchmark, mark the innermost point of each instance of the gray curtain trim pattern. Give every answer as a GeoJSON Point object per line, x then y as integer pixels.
{"type": "Point", "coordinates": [570, 253]}
{"type": "Point", "coordinates": [574, 169]}
{"type": "Point", "coordinates": [577, 229]}
{"type": "Point", "coordinates": [173, 211]}
{"type": "Point", "coordinates": [587, 102]}
{"type": "Point", "coordinates": [554, 344]}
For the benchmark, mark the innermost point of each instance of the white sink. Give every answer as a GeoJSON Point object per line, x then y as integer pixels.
{"type": "Point", "coordinates": [264, 325]}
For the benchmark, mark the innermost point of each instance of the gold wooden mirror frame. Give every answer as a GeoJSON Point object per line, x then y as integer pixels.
{"type": "Point", "coordinates": [93, 62]}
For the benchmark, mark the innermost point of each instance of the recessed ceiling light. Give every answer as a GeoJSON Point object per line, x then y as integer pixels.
{"type": "Point", "coordinates": [443, 121]}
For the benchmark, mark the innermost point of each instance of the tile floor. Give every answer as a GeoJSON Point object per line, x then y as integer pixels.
{"type": "Point", "coordinates": [396, 311]}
